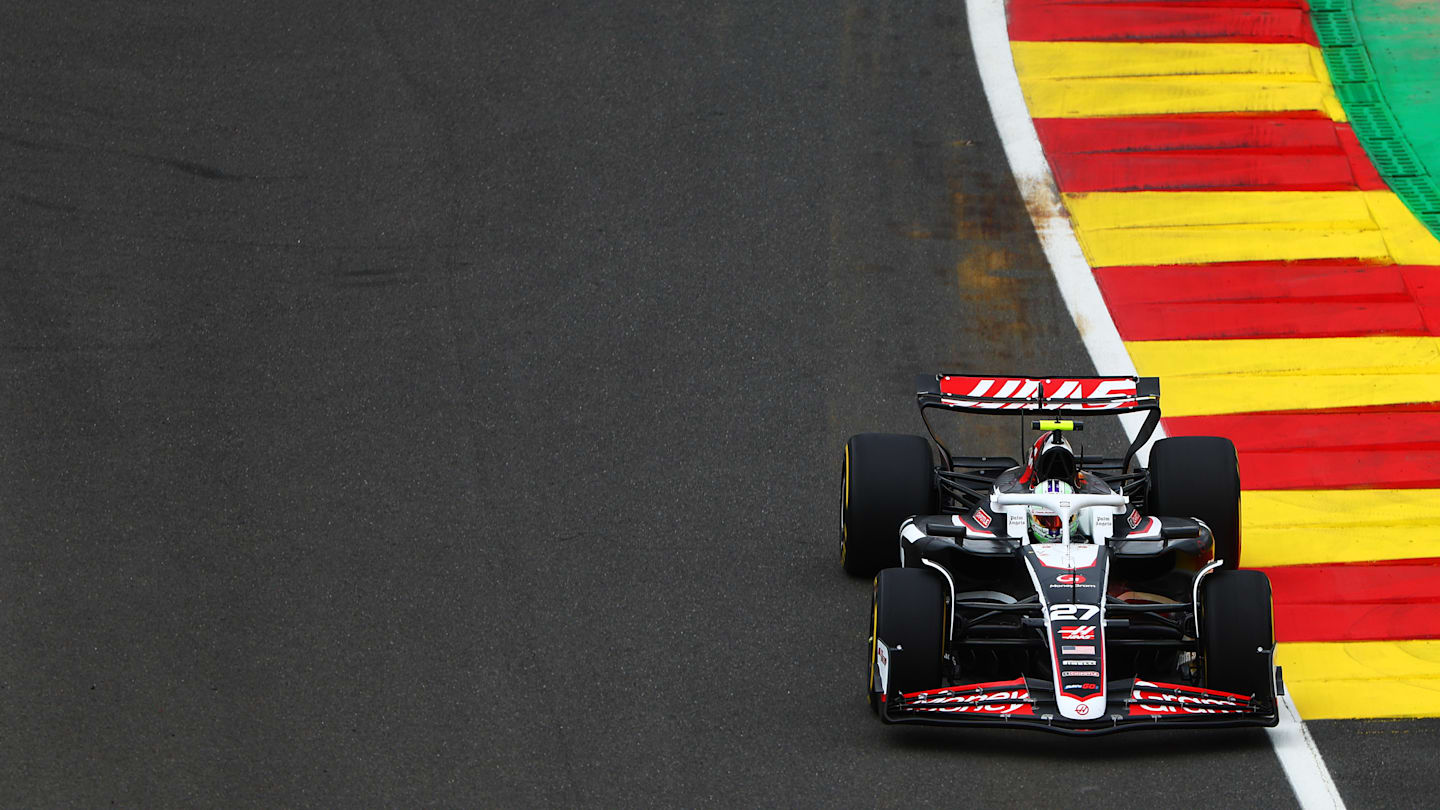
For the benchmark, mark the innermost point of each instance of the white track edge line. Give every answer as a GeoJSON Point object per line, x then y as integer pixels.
{"type": "Point", "coordinates": [1300, 757]}
{"type": "Point", "coordinates": [990, 36]}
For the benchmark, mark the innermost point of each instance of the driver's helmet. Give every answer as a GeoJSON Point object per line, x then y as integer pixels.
{"type": "Point", "coordinates": [1044, 522]}
{"type": "Point", "coordinates": [1052, 459]}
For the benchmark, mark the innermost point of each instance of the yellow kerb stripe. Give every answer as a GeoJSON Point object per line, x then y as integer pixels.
{"type": "Point", "coordinates": [1130, 210]}
{"type": "Point", "coordinates": [1410, 242]}
{"type": "Point", "coordinates": [1238, 376]}
{"type": "Point", "coordinates": [1089, 79]}
{"type": "Point", "coordinates": [1192, 227]}
{"type": "Point", "coordinates": [1362, 679]}
{"type": "Point", "coordinates": [1302, 527]}
{"type": "Point", "coordinates": [1088, 60]}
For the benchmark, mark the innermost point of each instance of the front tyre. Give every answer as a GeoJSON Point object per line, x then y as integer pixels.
{"type": "Point", "coordinates": [1237, 633]}
{"type": "Point", "coordinates": [885, 478]}
{"type": "Point", "coordinates": [1199, 477]}
{"type": "Point", "coordinates": [907, 615]}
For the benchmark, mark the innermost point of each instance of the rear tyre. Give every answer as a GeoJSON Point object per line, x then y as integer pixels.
{"type": "Point", "coordinates": [1237, 633]}
{"type": "Point", "coordinates": [885, 478]}
{"type": "Point", "coordinates": [1199, 477]}
{"type": "Point", "coordinates": [908, 615]}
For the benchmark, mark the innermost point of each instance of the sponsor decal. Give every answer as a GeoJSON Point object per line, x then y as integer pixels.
{"type": "Point", "coordinates": [1015, 523]}
{"type": "Point", "coordinates": [1077, 649]}
{"type": "Point", "coordinates": [1191, 701]}
{"type": "Point", "coordinates": [1191, 690]}
{"type": "Point", "coordinates": [1082, 632]}
{"type": "Point", "coordinates": [982, 518]}
{"type": "Point", "coordinates": [1079, 673]}
{"type": "Point", "coordinates": [1067, 558]}
{"type": "Point", "coordinates": [1073, 705]}
{"type": "Point", "coordinates": [1070, 579]}
{"type": "Point", "coordinates": [1073, 613]}
{"type": "Point", "coordinates": [882, 665]}
{"type": "Point", "coordinates": [1104, 526]}
{"type": "Point", "coordinates": [1085, 685]}
{"type": "Point", "coordinates": [1139, 693]}
{"type": "Point", "coordinates": [1002, 701]}
{"type": "Point", "coordinates": [1152, 709]}
{"type": "Point", "coordinates": [1079, 662]}
{"type": "Point", "coordinates": [1134, 519]}
{"type": "Point", "coordinates": [1121, 392]}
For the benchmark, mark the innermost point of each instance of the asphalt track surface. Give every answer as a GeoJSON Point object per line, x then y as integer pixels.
{"type": "Point", "coordinates": [420, 404]}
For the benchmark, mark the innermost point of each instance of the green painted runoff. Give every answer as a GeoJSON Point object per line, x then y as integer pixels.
{"type": "Point", "coordinates": [1402, 38]}
{"type": "Point", "coordinates": [1383, 57]}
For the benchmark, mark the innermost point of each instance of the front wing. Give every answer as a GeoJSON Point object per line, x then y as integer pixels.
{"type": "Point", "coordinates": [1133, 704]}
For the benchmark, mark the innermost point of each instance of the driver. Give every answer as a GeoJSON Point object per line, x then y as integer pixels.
{"type": "Point", "coordinates": [1054, 470]}
{"type": "Point", "coordinates": [1045, 525]}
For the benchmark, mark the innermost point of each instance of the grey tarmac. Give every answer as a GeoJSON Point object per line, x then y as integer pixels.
{"type": "Point", "coordinates": [440, 404]}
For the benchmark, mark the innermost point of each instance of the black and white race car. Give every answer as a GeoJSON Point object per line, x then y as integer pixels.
{"type": "Point", "coordinates": [1065, 592]}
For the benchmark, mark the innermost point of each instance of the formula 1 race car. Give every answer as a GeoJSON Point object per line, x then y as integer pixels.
{"type": "Point", "coordinates": [1066, 592]}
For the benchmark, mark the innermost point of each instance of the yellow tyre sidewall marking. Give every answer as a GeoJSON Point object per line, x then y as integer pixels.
{"type": "Point", "coordinates": [845, 504]}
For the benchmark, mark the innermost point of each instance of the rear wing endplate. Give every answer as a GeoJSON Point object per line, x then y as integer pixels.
{"type": "Point", "coordinates": [1041, 396]}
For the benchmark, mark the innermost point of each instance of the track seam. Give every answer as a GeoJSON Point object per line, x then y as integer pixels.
{"type": "Point", "coordinates": [1299, 757]}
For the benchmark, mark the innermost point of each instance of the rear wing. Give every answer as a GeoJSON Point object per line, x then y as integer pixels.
{"type": "Point", "coordinates": [1041, 396]}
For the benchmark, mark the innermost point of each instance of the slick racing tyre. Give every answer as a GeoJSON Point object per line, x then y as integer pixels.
{"type": "Point", "coordinates": [1237, 633]}
{"type": "Point", "coordinates": [1199, 477]}
{"type": "Point", "coordinates": [885, 478]}
{"type": "Point", "coordinates": [908, 616]}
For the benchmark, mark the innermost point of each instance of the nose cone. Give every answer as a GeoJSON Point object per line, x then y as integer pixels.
{"type": "Point", "coordinates": [1077, 709]}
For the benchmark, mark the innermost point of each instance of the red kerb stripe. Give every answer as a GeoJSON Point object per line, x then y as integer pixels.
{"type": "Point", "coordinates": [1302, 131]}
{"type": "Point", "coordinates": [1329, 298]}
{"type": "Point", "coordinates": [1205, 153]}
{"type": "Point", "coordinates": [1380, 601]}
{"type": "Point", "coordinates": [1294, 4]}
{"type": "Point", "coordinates": [1358, 449]}
{"type": "Point", "coordinates": [1157, 22]}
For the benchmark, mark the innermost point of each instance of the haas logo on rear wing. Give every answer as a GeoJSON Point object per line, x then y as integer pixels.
{"type": "Point", "coordinates": [1022, 393]}
{"type": "Point", "coordinates": [1041, 396]}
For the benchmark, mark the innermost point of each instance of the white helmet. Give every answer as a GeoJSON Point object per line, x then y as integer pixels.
{"type": "Point", "coordinates": [1045, 523]}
